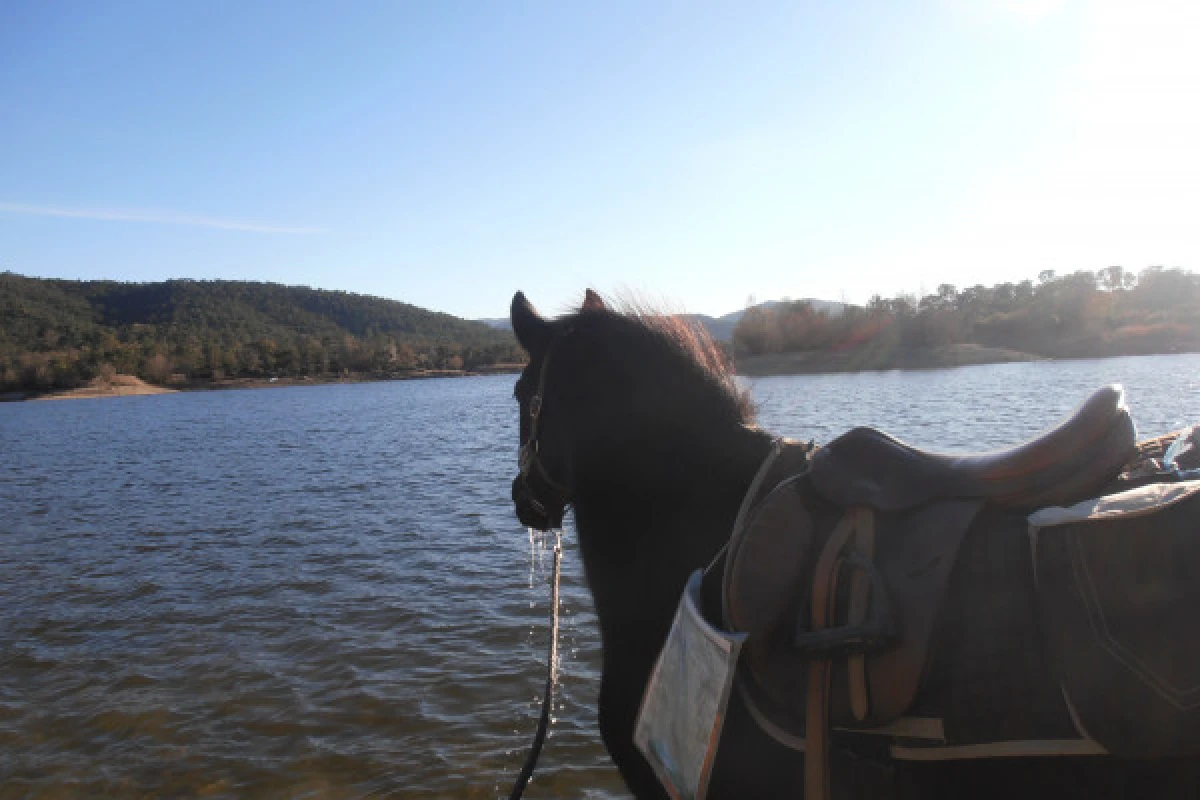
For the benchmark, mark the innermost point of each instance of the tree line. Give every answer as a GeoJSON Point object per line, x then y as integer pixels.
{"type": "Point", "coordinates": [57, 334]}
{"type": "Point", "coordinates": [1113, 311]}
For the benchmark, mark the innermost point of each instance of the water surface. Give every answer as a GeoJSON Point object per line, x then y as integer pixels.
{"type": "Point", "coordinates": [322, 591]}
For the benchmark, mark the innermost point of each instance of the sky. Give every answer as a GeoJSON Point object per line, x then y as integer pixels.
{"type": "Point", "coordinates": [697, 153]}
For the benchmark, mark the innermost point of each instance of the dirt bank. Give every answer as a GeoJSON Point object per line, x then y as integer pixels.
{"type": "Point", "coordinates": [116, 386]}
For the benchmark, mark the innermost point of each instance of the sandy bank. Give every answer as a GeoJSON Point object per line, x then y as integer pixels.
{"type": "Point", "coordinates": [128, 385]}
{"type": "Point", "coordinates": [117, 386]}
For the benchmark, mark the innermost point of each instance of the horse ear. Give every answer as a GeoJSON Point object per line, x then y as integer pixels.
{"type": "Point", "coordinates": [531, 330]}
{"type": "Point", "coordinates": [592, 302]}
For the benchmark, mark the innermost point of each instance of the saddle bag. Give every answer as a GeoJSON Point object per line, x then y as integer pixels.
{"type": "Point", "coordinates": [1118, 590]}
{"type": "Point", "coordinates": [683, 709]}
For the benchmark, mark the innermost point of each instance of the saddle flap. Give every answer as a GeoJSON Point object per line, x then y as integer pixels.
{"type": "Point", "coordinates": [768, 562]}
{"type": "Point", "coordinates": [915, 553]}
{"type": "Point", "coordinates": [915, 557]}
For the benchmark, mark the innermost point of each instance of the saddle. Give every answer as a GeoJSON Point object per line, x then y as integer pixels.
{"type": "Point", "coordinates": [840, 556]}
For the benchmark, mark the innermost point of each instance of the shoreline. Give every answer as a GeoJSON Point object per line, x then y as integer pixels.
{"type": "Point", "coordinates": [128, 386]}
{"type": "Point", "coordinates": [880, 360]}
{"type": "Point", "coordinates": [760, 366]}
{"type": "Point", "coordinates": [917, 359]}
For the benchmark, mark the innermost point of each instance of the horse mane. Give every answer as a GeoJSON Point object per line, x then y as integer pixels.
{"type": "Point", "coordinates": [675, 342]}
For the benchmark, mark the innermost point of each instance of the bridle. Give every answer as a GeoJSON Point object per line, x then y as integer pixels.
{"type": "Point", "coordinates": [530, 464]}
{"type": "Point", "coordinates": [528, 458]}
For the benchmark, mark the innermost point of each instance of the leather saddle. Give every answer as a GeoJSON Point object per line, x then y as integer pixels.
{"type": "Point", "coordinates": [840, 557]}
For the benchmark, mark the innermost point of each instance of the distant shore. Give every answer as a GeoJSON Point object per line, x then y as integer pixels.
{"type": "Point", "coordinates": [801, 363]}
{"type": "Point", "coordinates": [130, 386]}
{"type": "Point", "coordinates": [868, 359]}
{"type": "Point", "coordinates": [877, 359]}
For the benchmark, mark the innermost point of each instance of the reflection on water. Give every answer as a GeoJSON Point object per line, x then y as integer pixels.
{"type": "Point", "coordinates": [322, 591]}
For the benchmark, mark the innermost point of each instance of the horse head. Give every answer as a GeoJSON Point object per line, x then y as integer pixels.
{"type": "Point", "coordinates": [611, 397]}
{"type": "Point", "coordinates": [544, 484]}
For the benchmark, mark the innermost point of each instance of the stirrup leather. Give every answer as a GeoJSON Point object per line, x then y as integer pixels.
{"type": "Point", "coordinates": [850, 545]}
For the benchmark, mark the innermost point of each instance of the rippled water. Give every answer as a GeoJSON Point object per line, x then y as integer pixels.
{"type": "Point", "coordinates": [322, 591]}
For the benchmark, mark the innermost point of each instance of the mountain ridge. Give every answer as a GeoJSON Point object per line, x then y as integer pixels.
{"type": "Point", "coordinates": [57, 333]}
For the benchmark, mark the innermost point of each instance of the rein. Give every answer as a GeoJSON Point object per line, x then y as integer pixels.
{"type": "Point", "coordinates": [529, 462]}
{"type": "Point", "coordinates": [539, 736]}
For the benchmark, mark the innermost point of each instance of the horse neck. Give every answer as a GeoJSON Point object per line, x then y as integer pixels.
{"type": "Point", "coordinates": [652, 520]}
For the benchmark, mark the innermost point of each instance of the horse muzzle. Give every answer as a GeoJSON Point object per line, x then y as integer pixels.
{"type": "Point", "coordinates": [534, 513]}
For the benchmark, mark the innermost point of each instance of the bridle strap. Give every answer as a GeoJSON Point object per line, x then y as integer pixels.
{"type": "Point", "coordinates": [529, 460]}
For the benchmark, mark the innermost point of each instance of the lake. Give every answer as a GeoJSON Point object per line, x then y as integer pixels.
{"type": "Point", "coordinates": [323, 592]}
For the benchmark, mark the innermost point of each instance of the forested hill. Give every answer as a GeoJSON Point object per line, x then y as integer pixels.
{"type": "Point", "coordinates": [1082, 314]}
{"type": "Point", "coordinates": [61, 334]}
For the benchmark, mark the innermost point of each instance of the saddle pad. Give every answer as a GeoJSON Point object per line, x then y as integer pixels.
{"type": "Point", "coordinates": [1118, 592]}
{"type": "Point", "coordinates": [683, 710]}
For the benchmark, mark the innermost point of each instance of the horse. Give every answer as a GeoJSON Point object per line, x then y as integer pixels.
{"type": "Point", "coordinates": [633, 420]}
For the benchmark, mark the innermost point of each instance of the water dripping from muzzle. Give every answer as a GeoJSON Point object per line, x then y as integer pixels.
{"type": "Point", "coordinates": [539, 548]}
{"type": "Point", "coordinates": [537, 554]}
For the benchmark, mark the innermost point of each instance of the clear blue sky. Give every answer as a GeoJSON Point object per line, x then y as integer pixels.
{"type": "Point", "coordinates": [447, 154]}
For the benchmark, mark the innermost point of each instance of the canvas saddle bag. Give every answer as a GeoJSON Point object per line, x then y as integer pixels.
{"type": "Point", "coordinates": [1118, 589]}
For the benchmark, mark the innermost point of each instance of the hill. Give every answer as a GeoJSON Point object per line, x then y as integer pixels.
{"type": "Point", "coordinates": [721, 328]}
{"type": "Point", "coordinates": [63, 334]}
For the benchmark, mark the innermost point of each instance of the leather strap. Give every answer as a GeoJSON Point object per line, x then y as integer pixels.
{"type": "Point", "coordinates": [816, 724]}
{"type": "Point", "coordinates": [747, 503]}
{"type": "Point", "coordinates": [529, 456]}
{"type": "Point", "coordinates": [860, 588]}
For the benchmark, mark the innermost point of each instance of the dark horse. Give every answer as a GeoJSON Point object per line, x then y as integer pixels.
{"type": "Point", "coordinates": [641, 429]}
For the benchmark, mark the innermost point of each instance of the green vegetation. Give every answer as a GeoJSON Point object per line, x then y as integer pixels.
{"type": "Point", "coordinates": [57, 334]}
{"type": "Point", "coordinates": [1083, 314]}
